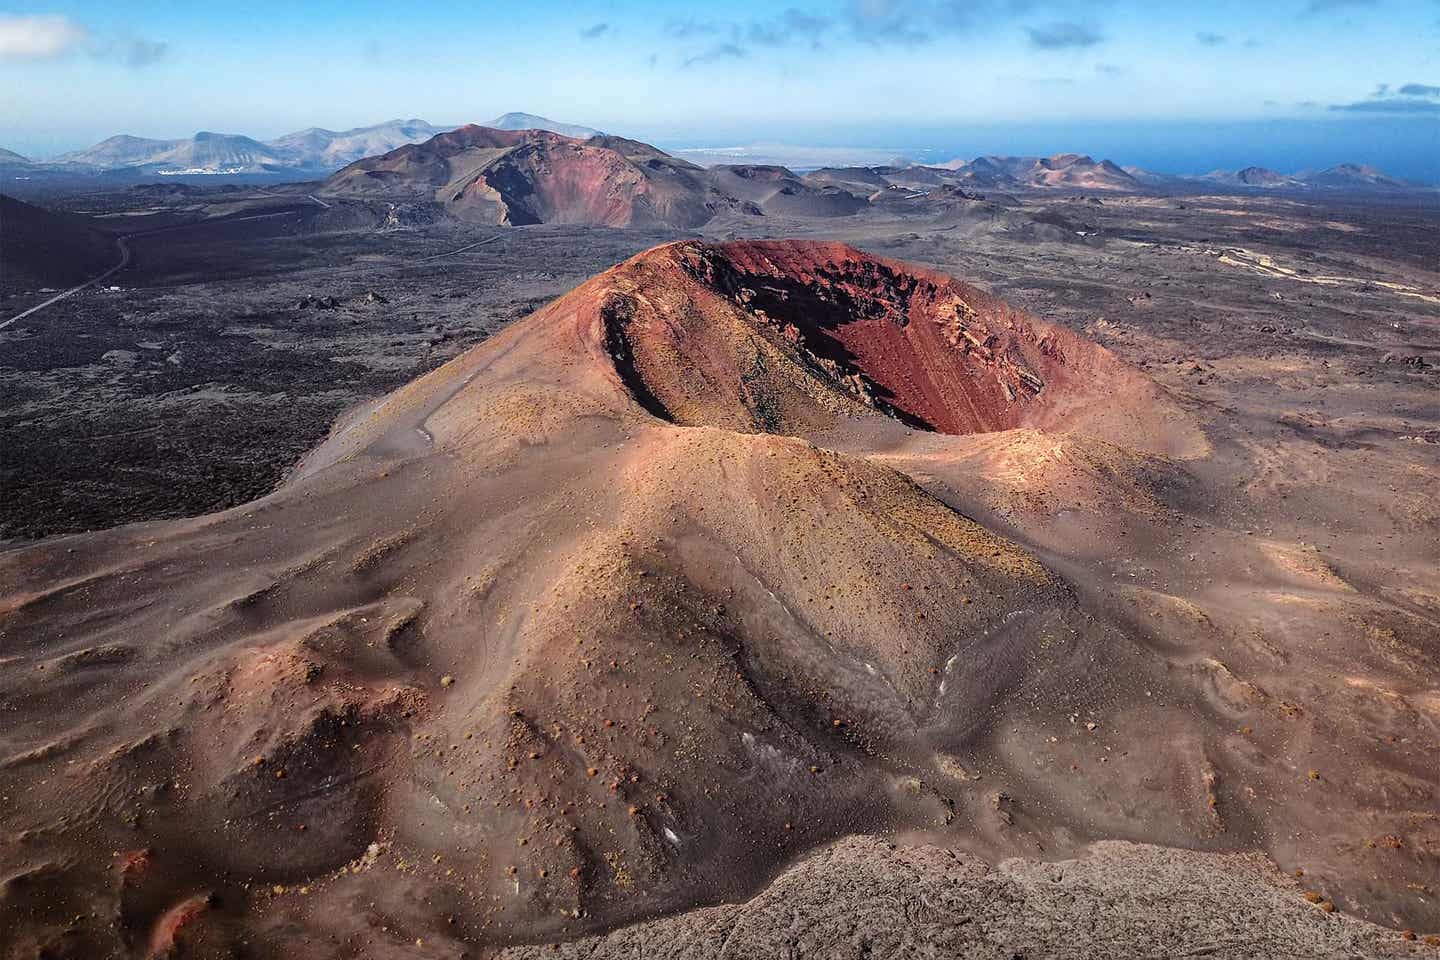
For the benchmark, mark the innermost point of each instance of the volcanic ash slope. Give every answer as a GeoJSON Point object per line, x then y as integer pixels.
{"type": "Point", "coordinates": [584, 627]}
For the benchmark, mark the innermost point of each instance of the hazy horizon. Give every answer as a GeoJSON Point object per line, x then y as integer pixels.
{"type": "Point", "coordinates": [1307, 83]}
{"type": "Point", "coordinates": [1286, 145]}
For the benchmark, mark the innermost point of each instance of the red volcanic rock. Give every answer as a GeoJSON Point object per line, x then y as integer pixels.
{"type": "Point", "coordinates": [181, 924]}
{"type": "Point", "coordinates": [552, 180]}
{"type": "Point", "coordinates": [423, 167]}
{"type": "Point", "coordinates": [789, 332]}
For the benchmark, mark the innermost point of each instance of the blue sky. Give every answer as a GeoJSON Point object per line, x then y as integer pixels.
{"type": "Point", "coordinates": [1182, 87]}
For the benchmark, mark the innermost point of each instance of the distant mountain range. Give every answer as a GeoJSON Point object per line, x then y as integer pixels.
{"type": "Point", "coordinates": [1068, 170]}
{"type": "Point", "coordinates": [1344, 176]}
{"type": "Point", "coordinates": [314, 149]}
{"type": "Point", "coordinates": [529, 175]}
{"type": "Point", "coordinates": [528, 121]}
{"type": "Point", "coordinates": [203, 153]}
{"type": "Point", "coordinates": [329, 149]}
{"type": "Point", "coordinates": [1077, 171]}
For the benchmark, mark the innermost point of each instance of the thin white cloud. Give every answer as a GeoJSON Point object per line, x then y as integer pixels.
{"type": "Point", "coordinates": [39, 37]}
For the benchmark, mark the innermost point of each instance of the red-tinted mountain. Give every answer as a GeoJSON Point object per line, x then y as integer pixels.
{"type": "Point", "coordinates": [534, 176]}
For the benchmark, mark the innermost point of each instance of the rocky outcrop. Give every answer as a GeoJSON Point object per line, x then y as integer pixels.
{"type": "Point", "coordinates": [865, 897]}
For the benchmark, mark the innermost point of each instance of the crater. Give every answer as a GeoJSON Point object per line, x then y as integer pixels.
{"type": "Point", "coordinates": [778, 336]}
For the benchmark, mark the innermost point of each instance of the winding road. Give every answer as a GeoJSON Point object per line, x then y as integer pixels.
{"type": "Point", "coordinates": [120, 242]}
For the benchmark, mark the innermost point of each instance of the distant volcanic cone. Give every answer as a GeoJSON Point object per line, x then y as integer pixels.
{"type": "Point", "coordinates": [516, 177]}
